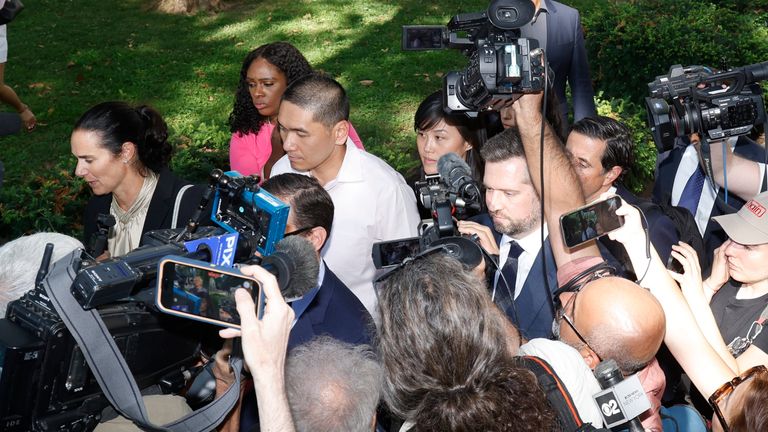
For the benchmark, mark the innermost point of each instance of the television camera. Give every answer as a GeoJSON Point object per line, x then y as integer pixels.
{"type": "Point", "coordinates": [501, 63]}
{"type": "Point", "coordinates": [696, 99]}
{"type": "Point", "coordinates": [45, 382]}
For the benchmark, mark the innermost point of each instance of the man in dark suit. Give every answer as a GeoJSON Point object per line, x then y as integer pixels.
{"type": "Point", "coordinates": [333, 309]}
{"type": "Point", "coordinates": [678, 169]}
{"type": "Point", "coordinates": [557, 27]}
{"type": "Point", "coordinates": [602, 153]}
{"type": "Point", "coordinates": [528, 277]}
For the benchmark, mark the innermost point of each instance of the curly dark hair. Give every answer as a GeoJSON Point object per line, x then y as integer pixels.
{"type": "Point", "coordinates": [245, 118]}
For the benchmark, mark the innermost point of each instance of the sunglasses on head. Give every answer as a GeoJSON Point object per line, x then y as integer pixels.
{"type": "Point", "coordinates": [725, 390]}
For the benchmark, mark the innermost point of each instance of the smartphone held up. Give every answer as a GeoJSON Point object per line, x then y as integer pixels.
{"type": "Point", "coordinates": [591, 221]}
{"type": "Point", "coordinates": [203, 292]}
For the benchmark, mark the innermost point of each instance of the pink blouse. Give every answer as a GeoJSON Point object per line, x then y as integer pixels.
{"type": "Point", "coordinates": [249, 152]}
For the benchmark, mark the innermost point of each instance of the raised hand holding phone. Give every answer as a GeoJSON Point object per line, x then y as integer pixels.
{"type": "Point", "coordinates": [265, 342]}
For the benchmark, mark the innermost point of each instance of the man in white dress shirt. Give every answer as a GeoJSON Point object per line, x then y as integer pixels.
{"type": "Point", "coordinates": [372, 201]}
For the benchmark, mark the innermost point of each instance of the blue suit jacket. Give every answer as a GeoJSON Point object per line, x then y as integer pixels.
{"type": "Point", "coordinates": [534, 310]}
{"type": "Point", "coordinates": [666, 172]}
{"type": "Point", "coordinates": [335, 312]}
{"type": "Point", "coordinates": [661, 228]}
{"type": "Point", "coordinates": [567, 56]}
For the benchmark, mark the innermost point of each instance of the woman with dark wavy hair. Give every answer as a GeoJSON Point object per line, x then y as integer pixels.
{"type": "Point", "coordinates": [124, 154]}
{"type": "Point", "coordinates": [267, 71]}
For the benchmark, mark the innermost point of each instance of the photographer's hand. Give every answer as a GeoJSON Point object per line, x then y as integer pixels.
{"type": "Point", "coordinates": [690, 280]}
{"type": "Point", "coordinates": [487, 241]}
{"type": "Point", "coordinates": [720, 272]}
{"type": "Point", "coordinates": [265, 343]}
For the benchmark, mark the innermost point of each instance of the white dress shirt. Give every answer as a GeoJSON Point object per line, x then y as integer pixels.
{"type": "Point", "coordinates": [531, 245]}
{"type": "Point", "coordinates": [372, 203]}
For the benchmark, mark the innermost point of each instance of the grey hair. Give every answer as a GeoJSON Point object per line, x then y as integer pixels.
{"type": "Point", "coordinates": [611, 343]}
{"type": "Point", "coordinates": [20, 260]}
{"type": "Point", "coordinates": [332, 386]}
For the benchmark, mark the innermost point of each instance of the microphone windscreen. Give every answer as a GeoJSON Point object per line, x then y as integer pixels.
{"type": "Point", "coordinates": [453, 169]}
{"type": "Point", "coordinates": [303, 264]}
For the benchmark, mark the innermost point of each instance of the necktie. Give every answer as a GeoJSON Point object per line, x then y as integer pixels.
{"type": "Point", "coordinates": [691, 194]}
{"type": "Point", "coordinates": [505, 293]}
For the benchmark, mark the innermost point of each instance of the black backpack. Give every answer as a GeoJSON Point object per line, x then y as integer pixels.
{"type": "Point", "coordinates": [558, 396]}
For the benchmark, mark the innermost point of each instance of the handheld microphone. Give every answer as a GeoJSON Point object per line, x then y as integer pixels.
{"type": "Point", "coordinates": [295, 264]}
{"type": "Point", "coordinates": [455, 172]}
{"type": "Point", "coordinates": [622, 400]}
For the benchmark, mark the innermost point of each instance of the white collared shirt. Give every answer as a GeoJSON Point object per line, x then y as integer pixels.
{"type": "Point", "coordinates": [372, 203]}
{"type": "Point", "coordinates": [531, 245]}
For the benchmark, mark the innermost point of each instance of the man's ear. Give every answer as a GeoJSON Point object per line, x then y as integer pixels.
{"type": "Point", "coordinates": [589, 357]}
{"type": "Point", "coordinates": [317, 237]}
{"type": "Point", "coordinates": [612, 175]}
{"type": "Point", "coordinates": [340, 132]}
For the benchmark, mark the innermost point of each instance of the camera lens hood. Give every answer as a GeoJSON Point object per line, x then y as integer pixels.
{"type": "Point", "coordinates": [461, 248]}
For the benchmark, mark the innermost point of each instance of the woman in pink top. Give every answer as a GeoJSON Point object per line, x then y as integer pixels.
{"type": "Point", "coordinates": [267, 71]}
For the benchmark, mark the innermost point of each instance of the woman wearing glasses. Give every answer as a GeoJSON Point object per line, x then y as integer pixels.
{"type": "Point", "coordinates": [737, 388]}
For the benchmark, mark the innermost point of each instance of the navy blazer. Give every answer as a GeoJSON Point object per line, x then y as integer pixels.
{"type": "Point", "coordinates": [534, 309]}
{"type": "Point", "coordinates": [661, 228]}
{"type": "Point", "coordinates": [335, 311]}
{"type": "Point", "coordinates": [567, 56]}
{"type": "Point", "coordinates": [160, 211]}
{"type": "Point", "coordinates": [666, 172]}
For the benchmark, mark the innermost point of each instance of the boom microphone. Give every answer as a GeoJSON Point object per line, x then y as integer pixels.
{"type": "Point", "coordinates": [455, 172]}
{"type": "Point", "coordinates": [295, 264]}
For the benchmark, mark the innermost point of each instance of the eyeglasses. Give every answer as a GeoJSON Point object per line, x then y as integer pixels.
{"type": "Point", "coordinates": [574, 286]}
{"type": "Point", "coordinates": [297, 232]}
{"type": "Point", "coordinates": [726, 389]}
{"type": "Point", "coordinates": [560, 315]}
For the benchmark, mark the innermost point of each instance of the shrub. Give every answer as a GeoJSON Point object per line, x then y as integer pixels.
{"type": "Point", "coordinates": [50, 201]}
{"type": "Point", "coordinates": [632, 42]}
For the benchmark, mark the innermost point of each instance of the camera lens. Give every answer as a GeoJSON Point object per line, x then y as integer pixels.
{"type": "Point", "coordinates": [507, 14]}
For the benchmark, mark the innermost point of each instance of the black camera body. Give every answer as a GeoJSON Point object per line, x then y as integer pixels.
{"type": "Point", "coordinates": [501, 63]}
{"type": "Point", "coordinates": [45, 381]}
{"type": "Point", "coordinates": [715, 105]}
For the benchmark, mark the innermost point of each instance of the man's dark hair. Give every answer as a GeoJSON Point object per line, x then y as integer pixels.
{"type": "Point", "coordinates": [619, 148]}
{"type": "Point", "coordinates": [310, 203]}
{"type": "Point", "coordinates": [503, 146]}
{"type": "Point", "coordinates": [445, 348]}
{"type": "Point", "coordinates": [321, 95]}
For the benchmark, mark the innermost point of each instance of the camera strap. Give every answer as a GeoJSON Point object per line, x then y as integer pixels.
{"type": "Point", "coordinates": [109, 366]}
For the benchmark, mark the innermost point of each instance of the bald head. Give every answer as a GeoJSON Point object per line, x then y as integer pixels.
{"type": "Point", "coordinates": [620, 320]}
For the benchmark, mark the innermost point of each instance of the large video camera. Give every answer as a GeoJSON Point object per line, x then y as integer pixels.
{"type": "Point", "coordinates": [451, 192]}
{"type": "Point", "coordinates": [715, 105]}
{"type": "Point", "coordinates": [45, 382]}
{"type": "Point", "coordinates": [501, 63]}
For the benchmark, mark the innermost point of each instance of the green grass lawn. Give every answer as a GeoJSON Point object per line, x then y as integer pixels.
{"type": "Point", "coordinates": [66, 56]}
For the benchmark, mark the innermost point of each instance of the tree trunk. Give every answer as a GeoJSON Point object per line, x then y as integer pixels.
{"type": "Point", "coordinates": [187, 6]}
